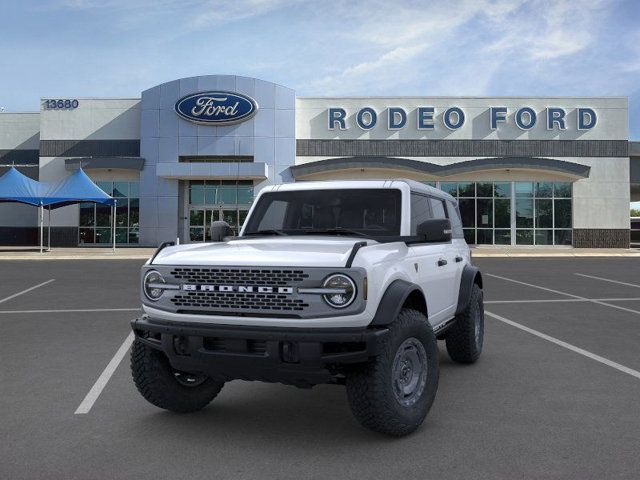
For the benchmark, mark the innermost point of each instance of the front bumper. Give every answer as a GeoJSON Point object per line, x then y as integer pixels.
{"type": "Point", "coordinates": [302, 357]}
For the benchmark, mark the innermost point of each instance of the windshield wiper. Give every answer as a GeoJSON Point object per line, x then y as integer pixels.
{"type": "Point", "coordinates": [337, 231]}
{"type": "Point", "coordinates": [266, 232]}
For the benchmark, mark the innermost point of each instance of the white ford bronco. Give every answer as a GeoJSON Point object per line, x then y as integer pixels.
{"type": "Point", "coordinates": [342, 282]}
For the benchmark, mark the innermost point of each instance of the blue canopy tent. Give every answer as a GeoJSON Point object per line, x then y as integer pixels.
{"type": "Point", "coordinates": [16, 187]}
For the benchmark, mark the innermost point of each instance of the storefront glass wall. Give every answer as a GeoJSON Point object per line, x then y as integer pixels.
{"type": "Point", "coordinates": [513, 213]}
{"type": "Point", "coordinates": [96, 223]}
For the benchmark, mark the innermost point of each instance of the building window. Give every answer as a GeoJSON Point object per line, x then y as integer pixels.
{"type": "Point", "coordinates": [220, 192]}
{"type": "Point", "coordinates": [514, 213]}
{"type": "Point", "coordinates": [96, 224]}
{"type": "Point", "coordinates": [212, 200]}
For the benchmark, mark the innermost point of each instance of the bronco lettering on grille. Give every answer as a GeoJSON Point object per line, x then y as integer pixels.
{"type": "Point", "coordinates": [237, 288]}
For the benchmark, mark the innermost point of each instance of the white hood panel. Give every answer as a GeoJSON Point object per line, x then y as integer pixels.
{"type": "Point", "coordinates": [311, 251]}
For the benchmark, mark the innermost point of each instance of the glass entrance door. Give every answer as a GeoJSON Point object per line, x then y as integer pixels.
{"type": "Point", "coordinates": [200, 220]}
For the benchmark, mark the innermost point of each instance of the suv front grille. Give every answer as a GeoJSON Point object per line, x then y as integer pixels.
{"type": "Point", "coordinates": [236, 276]}
{"type": "Point", "coordinates": [249, 291]}
{"type": "Point", "coordinates": [238, 301]}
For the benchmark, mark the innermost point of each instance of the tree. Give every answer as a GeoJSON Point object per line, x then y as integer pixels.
{"type": "Point", "coordinates": [635, 212]}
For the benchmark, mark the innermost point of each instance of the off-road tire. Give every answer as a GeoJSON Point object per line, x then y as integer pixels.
{"type": "Point", "coordinates": [464, 342]}
{"type": "Point", "coordinates": [156, 381]}
{"type": "Point", "coordinates": [370, 388]}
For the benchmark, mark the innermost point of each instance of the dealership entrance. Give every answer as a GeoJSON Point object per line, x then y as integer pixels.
{"type": "Point", "coordinates": [201, 218]}
{"type": "Point", "coordinates": [213, 200]}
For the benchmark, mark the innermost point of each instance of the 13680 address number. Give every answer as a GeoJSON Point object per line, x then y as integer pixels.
{"type": "Point", "coordinates": [61, 104]}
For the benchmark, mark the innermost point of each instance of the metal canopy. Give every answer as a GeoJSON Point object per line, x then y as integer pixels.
{"type": "Point", "coordinates": [576, 170]}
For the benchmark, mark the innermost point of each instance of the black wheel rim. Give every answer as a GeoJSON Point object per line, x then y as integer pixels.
{"type": "Point", "coordinates": [189, 379]}
{"type": "Point", "coordinates": [410, 369]}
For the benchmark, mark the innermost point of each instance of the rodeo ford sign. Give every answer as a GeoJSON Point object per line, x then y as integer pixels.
{"type": "Point", "coordinates": [216, 108]}
{"type": "Point", "coordinates": [525, 118]}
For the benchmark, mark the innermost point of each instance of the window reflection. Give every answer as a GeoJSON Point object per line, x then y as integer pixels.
{"type": "Point", "coordinates": [96, 222]}
{"type": "Point", "coordinates": [542, 216]}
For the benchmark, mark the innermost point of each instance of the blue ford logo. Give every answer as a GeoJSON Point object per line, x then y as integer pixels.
{"type": "Point", "coordinates": [216, 108]}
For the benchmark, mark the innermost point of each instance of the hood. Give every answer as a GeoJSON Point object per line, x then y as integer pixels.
{"type": "Point", "coordinates": [310, 251]}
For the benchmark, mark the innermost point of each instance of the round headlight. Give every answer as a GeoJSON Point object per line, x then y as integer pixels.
{"type": "Point", "coordinates": [345, 290]}
{"type": "Point", "coordinates": [152, 285]}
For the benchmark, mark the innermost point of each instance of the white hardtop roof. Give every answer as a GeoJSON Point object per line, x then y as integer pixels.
{"type": "Point", "coordinates": [413, 185]}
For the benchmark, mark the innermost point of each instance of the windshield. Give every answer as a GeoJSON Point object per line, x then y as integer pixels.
{"type": "Point", "coordinates": [360, 212]}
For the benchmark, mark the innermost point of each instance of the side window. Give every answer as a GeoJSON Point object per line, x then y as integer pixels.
{"type": "Point", "coordinates": [456, 223]}
{"type": "Point", "coordinates": [420, 211]}
{"type": "Point", "coordinates": [437, 206]}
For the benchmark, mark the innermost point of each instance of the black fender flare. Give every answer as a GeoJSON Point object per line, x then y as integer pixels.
{"type": "Point", "coordinates": [392, 301]}
{"type": "Point", "coordinates": [470, 275]}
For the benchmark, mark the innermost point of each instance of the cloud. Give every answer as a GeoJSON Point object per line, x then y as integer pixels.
{"type": "Point", "coordinates": [217, 12]}
{"type": "Point", "coordinates": [438, 35]}
{"type": "Point", "coordinates": [399, 36]}
{"type": "Point", "coordinates": [541, 30]}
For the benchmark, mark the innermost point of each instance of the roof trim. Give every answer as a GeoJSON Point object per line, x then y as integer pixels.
{"type": "Point", "coordinates": [529, 163]}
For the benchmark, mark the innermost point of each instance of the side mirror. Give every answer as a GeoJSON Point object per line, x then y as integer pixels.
{"type": "Point", "coordinates": [219, 230]}
{"type": "Point", "coordinates": [435, 230]}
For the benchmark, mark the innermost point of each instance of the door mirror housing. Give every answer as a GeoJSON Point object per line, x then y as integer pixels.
{"type": "Point", "coordinates": [436, 230]}
{"type": "Point", "coordinates": [220, 230]}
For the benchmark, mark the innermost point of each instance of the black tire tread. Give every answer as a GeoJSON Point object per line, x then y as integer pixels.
{"type": "Point", "coordinates": [368, 387]}
{"type": "Point", "coordinates": [460, 337]}
{"type": "Point", "coordinates": [153, 377]}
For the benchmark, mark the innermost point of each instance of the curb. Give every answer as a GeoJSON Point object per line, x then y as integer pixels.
{"type": "Point", "coordinates": [76, 257]}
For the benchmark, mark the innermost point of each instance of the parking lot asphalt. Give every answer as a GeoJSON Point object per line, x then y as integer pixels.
{"type": "Point", "coordinates": [554, 395]}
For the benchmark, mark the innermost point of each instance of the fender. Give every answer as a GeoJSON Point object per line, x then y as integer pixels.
{"type": "Point", "coordinates": [469, 276]}
{"type": "Point", "coordinates": [392, 301]}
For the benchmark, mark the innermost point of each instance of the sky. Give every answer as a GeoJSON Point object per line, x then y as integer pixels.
{"type": "Point", "coordinates": [105, 48]}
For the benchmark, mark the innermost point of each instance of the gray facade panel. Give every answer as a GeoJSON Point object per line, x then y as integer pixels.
{"type": "Point", "coordinates": [30, 171]}
{"type": "Point", "coordinates": [635, 169]}
{"type": "Point", "coordinates": [89, 148]}
{"type": "Point", "coordinates": [19, 157]}
{"type": "Point", "coordinates": [463, 148]}
{"type": "Point", "coordinates": [30, 236]}
{"type": "Point", "coordinates": [166, 137]}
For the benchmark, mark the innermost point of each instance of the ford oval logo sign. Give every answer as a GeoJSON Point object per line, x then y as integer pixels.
{"type": "Point", "coordinates": [216, 107]}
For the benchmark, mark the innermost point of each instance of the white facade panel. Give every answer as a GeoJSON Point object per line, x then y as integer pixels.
{"type": "Point", "coordinates": [93, 119]}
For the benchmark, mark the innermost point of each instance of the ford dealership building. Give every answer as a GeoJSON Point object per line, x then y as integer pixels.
{"type": "Point", "coordinates": [526, 171]}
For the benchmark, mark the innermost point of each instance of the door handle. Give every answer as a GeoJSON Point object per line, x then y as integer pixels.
{"type": "Point", "coordinates": [459, 259]}
{"type": "Point", "coordinates": [442, 262]}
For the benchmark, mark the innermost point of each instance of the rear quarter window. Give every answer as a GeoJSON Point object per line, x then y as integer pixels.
{"type": "Point", "coordinates": [454, 218]}
{"type": "Point", "coordinates": [437, 207]}
{"type": "Point", "coordinates": [420, 211]}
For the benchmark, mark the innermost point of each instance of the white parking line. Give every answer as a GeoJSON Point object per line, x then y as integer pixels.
{"type": "Point", "coordinates": [599, 302]}
{"type": "Point", "coordinates": [608, 280]}
{"type": "Point", "coordinates": [568, 346]}
{"type": "Point", "coordinates": [563, 300]}
{"type": "Point", "coordinates": [26, 291]}
{"type": "Point", "coordinates": [75, 310]}
{"type": "Point", "coordinates": [104, 377]}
